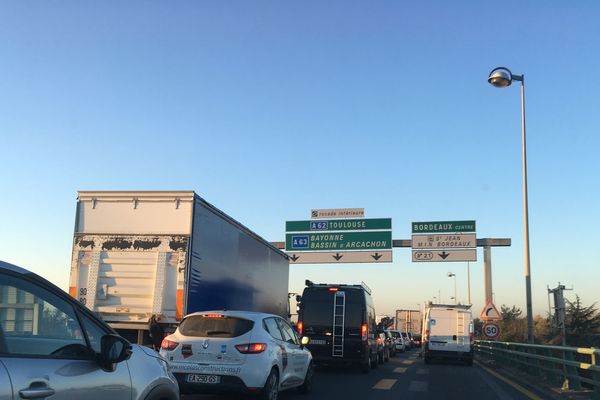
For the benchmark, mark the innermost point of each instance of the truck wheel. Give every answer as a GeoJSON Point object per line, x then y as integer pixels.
{"type": "Point", "coordinates": [271, 389]}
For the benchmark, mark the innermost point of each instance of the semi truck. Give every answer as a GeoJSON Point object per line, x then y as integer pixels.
{"type": "Point", "coordinates": [139, 255]}
{"type": "Point", "coordinates": [408, 321]}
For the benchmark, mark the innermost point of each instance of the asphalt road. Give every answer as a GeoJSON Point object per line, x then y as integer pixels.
{"type": "Point", "coordinates": [405, 377]}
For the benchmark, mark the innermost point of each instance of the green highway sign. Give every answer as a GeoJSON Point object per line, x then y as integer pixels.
{"type": "Point", "coordinates": [443, 227]}
{"type": "Point", "coordinates": [339, 225]}
{"type": "Point", "coordinates": [373, 240]}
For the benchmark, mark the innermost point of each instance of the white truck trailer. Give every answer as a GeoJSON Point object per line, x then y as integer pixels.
{"type": "Point", "coordinates": [138, 253]}
{"type": "Point", "coordinates": [408, 321]}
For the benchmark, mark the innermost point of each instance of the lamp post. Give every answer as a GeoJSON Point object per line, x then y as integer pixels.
{"type": "Point", "coordinates": [502, 77]}
{"type": "Point", "coordinates": [450, 275]}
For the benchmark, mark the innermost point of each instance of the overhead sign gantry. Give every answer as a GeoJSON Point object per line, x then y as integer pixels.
{"type": "Point", "coordinates": [344, 240]}
{"type": "Point", "coordinates": [444, 241]}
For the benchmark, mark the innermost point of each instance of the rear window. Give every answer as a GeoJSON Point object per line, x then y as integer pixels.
{"type": "Point", "coordinates": [395, 334]}
{"type": "Point", "coordinates": [223, 327]}
{"type": "Point", "coordinates": [317, 307]}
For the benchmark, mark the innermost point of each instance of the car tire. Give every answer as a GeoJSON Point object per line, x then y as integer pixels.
{"type": "Point", "coordinates": [375, 361]}
{"type": "Point", "coordinates": [271, 389]}
{"type": "Point", "coordinates": [380, 358]}
{"type": "Point", "coordinates": [469, 362]}
{"type": "Point", "coordinates": [306, 386]}
{"type": "Point", "coordinates": [386, 356]}
{"type": "Point", "coordinates": [162, 393]}
{"type": "Point", "coordinates": [427, 359]}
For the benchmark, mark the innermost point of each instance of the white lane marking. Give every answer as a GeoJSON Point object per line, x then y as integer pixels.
{"type": "Point", "coordinates": [422, 371]}
{"type": "Point", "coordinates": [408, 362]}
{"type": "Point", "coordinates": [385, 384]}
{"type": "Point", "coordinates": [400, 370]}
{"type": "Point", "coordinates": [418, 386]}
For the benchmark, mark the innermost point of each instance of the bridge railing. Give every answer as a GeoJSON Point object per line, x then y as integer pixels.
{"type": "Point", "coordinates": [570, 366]}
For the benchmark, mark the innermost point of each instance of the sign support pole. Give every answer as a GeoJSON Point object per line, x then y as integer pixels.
{"type": "Point", "coordinates": [487, 273]}
{"type": "Point", "coordinates": [469, 281]}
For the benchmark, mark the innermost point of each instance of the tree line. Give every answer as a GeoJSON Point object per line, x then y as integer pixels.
{"type": "Point", "coordinates": [582, 326]}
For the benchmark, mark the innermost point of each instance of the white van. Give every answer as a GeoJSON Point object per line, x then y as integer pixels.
{"type": "Point", "coordinates": [448, 333]}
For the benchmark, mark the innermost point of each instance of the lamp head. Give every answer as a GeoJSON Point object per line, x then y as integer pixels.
{"type": "Point", "coordinates": [500, 77]}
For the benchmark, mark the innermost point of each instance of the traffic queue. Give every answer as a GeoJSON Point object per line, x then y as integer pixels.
{"type": "Point", "coordinates": [219, 351]}
{"type": "Point", "coordinates": [244, 351]}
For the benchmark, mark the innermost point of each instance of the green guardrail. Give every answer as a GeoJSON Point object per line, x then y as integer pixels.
{"type": "Point", "coordinates": [567, 366]}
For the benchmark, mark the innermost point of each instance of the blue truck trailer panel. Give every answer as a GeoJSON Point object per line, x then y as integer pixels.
{"type": "Point", "coordinates": [232, 268]}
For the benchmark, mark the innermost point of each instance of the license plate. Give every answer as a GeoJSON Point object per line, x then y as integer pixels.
{"type": "Point", "coordinates": [318, 341]}
{"type": "Point", "coordinates": [210, 379]}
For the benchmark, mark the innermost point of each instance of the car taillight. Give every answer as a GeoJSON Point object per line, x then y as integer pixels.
{"type": "Point", "coordinates": [471, 338]}
{"type": "Point", "coordinates": [378, 340]}
{"type": "Point", "coordinates": [427, 334]}
{"type": "Point", "coordinates": [214, 316]}
{"type": "Point", "coordinates": [251, 348]}
{"type": "Point", "coordinates": [168, 344]}
{"type": "Point", "coordinates": [363, 331]}
{"type": "Point", "coordinates": [333, 289]}
{"type": "Point", "coordinates": [300, 327]}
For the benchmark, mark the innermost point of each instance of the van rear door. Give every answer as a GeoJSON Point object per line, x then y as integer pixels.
{"type": "Point", "coordinates": [449, 330]}
{"type": "Point", "coordinates": [463, 338]}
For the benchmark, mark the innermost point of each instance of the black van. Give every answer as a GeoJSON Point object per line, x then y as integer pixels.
{"type": "Point", "coordinates": [339, 319]}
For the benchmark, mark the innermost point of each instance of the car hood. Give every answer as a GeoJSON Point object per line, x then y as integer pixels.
{"type": "Point", "coordinates": [146, 350]}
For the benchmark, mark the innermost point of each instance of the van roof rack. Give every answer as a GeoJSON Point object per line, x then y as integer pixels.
{"type": "Point", "coordinates": [362, 285]}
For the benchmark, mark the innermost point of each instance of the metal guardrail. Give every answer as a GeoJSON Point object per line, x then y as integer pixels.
{"type": "Point", "coordinates": [571, 366]}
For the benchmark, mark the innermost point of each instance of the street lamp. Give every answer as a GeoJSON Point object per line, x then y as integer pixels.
{"type": "Point", "coordinates": [450, 275]}
{"type": "Point", "coordinates": [502, 77]}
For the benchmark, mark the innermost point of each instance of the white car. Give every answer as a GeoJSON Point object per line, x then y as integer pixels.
{"type": "Point", "coordinates": [398, 341]}
{"type": "Point", "coordinates": [238, 351]}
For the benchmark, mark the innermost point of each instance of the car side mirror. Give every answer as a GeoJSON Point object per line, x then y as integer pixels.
{"type": "Point", "coordinates": [113, 350]}
{"type": "Point", "coordinates": [304, 341]}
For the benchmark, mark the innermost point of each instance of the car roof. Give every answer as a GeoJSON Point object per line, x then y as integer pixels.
{"type": "Point", "coordinates": [251, 315]}
{"type": "Point", "coordinates": [13, 268]}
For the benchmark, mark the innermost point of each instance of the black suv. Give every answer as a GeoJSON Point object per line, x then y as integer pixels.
{"type": "Point", "coordinates": [339, 319]}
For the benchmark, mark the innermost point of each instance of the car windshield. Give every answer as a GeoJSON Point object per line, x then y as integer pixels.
{"type": "Point", "coordinates": [223, 327]}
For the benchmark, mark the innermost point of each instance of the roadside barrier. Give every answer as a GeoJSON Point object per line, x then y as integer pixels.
{"type": "Point", "coordinates": [575, 368]}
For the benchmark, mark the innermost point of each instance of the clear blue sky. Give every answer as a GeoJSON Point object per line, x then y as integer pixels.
{"type": "Point", "coordinates": [269, 109]}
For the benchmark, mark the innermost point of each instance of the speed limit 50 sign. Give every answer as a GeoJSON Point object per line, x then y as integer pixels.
{"type": "Point", "coordinates": [491, 330]}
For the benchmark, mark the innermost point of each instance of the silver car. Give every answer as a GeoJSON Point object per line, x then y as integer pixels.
{"type": "Point", "coordinates": [52, 346]}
